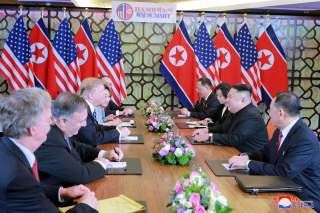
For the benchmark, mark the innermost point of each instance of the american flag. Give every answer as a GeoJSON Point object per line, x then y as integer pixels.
{"type": "Point", "coordinates": [65, 59]}
{"type": "Point", "coordinates": [206, 56]}
{"type": "Point", "coordinates": [110, 61]}
{"type": "Point", "coordinates": [250, 73]}
{"type": "Point", "coordinates": [15, 61]}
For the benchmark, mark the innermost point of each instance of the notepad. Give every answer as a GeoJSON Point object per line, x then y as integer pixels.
{"type": "Point", "coordinates": [192, 122]}
{"type": "Point", "coordinates": [119, 204]}
{"type": "Point", "coordinates": [116, 165]}
{"type": "Point", "coordinates": [130, 138]}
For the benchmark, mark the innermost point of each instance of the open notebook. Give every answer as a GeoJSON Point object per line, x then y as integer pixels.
{"type": "Point", "coordinates": [119, 204]}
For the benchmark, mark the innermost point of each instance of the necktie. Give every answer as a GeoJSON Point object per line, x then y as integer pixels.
{"type": "Point", "coordinates": [94, 114]}
{"type": "Point", "coordinates": [279, 140]}
{"type": "Point", "coordinates": [67, 141]}
{"type": "Point", "coordinates": [35, 170]}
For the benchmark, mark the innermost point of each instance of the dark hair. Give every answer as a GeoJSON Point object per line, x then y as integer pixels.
{"type": "Point", "coordinates": [224, 87]}
{"type": "Point", "coordinates": [289, 102]}
{"type": "Point", "coordinates": [205, 82]}
{"type": "Point", "coordinates": [242, 88]}
{"type": "Point", "coordinates": [66, 104]}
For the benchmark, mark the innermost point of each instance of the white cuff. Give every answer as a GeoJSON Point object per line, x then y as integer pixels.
{"type": "Point", "coordinates": [117, 112]}
{"type": "Point", "coordinates": [101, 164]}
{"type": "Point", "coordinates": [247, 167]}
{"type": "Point", "coordinates": [60, 199]}
{"type": "Point", "coordinates": [102, 154]}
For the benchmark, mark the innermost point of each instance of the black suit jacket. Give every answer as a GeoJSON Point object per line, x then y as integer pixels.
{"type": "Point", "coordinates": [297, 159]}
{"type": "Point", "coordinates": [94, 133]}
{"type": "Point", "coordinates": [19, 190]}
{"type": "Point", "coordinates": [245, 131]}
{"type": "Point", "coordinates": [220, 122]}
{"type": "Point", "coordinates": [112, 108]}
{"type": "Point", "coordinates": [206, 108]}
{"type": "Point", "coordinates": [60, 165]}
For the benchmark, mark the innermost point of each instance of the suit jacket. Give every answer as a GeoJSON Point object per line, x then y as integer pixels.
{"type": "Point", "coordinates": [94, 133]}
{"type": "Point", "coordinates": [245, 131]}
{"type": "Point", "coordinates": [220, 122]}
{"type": "Point", "coordinates": [206, 108]}
{"type": "Point", "coordinates": [19, 190]}
{"type": "Point", "coordinates": [112, 108]}
{"type": "Point", "coordinates": [297, 159]}
{"type": "Point", "coordinates": [60, 165]}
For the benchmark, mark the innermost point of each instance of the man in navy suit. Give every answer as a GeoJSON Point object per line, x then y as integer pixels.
{"type": "Point", "coordinates": [26, 117]}
{"type": "Point", "coordinates": [65, 161]}
{"type": "Point", "coordinates": [93, 91]}
{"type": "Point", "coordinates": [113, 109]}
{"type": "Point", "coordinates": [294, 150]}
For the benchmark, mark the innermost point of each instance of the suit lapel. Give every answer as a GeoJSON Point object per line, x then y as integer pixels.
{"type": "Point", "coordinates": [286, 142]}
{"type": "Point", "coordinates": [17, 152]}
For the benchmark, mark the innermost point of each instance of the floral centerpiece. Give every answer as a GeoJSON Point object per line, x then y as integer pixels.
{"type": "Point", "coordinates": [159, 123]}
{"type": "Point", "coordinates": [195, 193]}
{"type": "Point", "coordinates": [173, 149]}
{"type": "Point", "coordinates": [153, 108]}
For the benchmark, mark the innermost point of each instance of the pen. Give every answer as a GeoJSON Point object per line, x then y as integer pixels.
{"type": "Point", "coordinates": [115, 150]}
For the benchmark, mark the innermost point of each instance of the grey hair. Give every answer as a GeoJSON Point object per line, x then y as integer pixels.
{"type": "Point", "coordinates": [90, 84]}
{"type": "Point", "coordinates": [22, 110]}
{"type": "Point", "coordinates": [66, 104]}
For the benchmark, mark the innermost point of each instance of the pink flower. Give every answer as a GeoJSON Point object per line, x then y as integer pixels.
{"type": "Point", "coordinates": [179, 187]}
{"type": "Point", "coordinates": [195, 199]}
{"type": "Point", "coordinates": [199, 209]}
{"type": "Point", "coordinates": [194, 174]}
{"type": "Point", "coordinates": [214, 187]}
{"type": "Point", "coordinates": [187, 182]}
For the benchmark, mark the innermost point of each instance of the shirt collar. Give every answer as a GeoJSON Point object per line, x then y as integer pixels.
{"type": "Point", "coordinates": [286, 130]}
{"type": "Point", "coordinates": [28, 154]}
{"type": "Point", "coordinates": [90, 106]}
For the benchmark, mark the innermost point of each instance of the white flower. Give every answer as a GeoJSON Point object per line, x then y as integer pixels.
{"type": "Point", "coordinates": [222, 200]}
{"type": "Point", "coordinates": [167, 147]}
{"type": "Point", "coordinates": [178, 152]}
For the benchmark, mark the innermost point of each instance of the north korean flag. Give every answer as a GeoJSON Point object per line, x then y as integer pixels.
{"type": "Point", "coordinates": [228, 58]}
{"type": "Point", "coordinates": [178, 67]}
{"type": "Point", "coordinates": [85, 51]}
{"type": "Point", "coordinates": [273, 65]}
{"type": "Point", "coordinates": [41, 50]}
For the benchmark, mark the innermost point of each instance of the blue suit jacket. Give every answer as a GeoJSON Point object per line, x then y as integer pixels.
{"type": "Point", "coordinates": [95, 134]}
{"type": "Point", "coordinates": [19, 190]}
{"type": "Point", "coordinates": [297, 159]}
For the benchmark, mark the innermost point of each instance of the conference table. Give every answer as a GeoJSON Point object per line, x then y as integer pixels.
{"type": "Point", "coordinates": [157, 181]}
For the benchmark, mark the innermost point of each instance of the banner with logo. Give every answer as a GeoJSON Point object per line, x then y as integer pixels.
{"type": "Point", "coordinates": [143, 12]}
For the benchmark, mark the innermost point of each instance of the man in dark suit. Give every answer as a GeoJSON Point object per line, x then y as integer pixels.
{"type": "Point", "coordinates": [207, 106]}
{"type": "Point", "coordinates": [293, 152]}
{"type": "Point", "coordinates": [245, 130]}
{"type": "Point", "coordinates": [95, 92]}
{"type": "Point", "coordinates": [112, 108]}
{"type": "Point", "coordinates": [25, 117]}
{"type": "Point", "coordinates": [63, 160]}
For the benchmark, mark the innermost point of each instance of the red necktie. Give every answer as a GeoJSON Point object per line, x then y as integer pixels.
{"type": "Point", "coordinates": [35, 170]}
{"type": "Point", "coordinates": [279, 140]}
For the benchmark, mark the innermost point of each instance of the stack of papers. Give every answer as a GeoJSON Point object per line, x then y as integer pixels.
{"type": "Point", "coordinates": [194, 124]}
{"type": "Point", "coordinates": [127, 123]}
{"type": "Point", "coordinates": [116, 165]}
{"type": "Point", "coordinates": [182, 116]}
{"type": "Point", "coordinates": [227, 167]}
{"type": "Point", "coordinates": [120, 204]}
